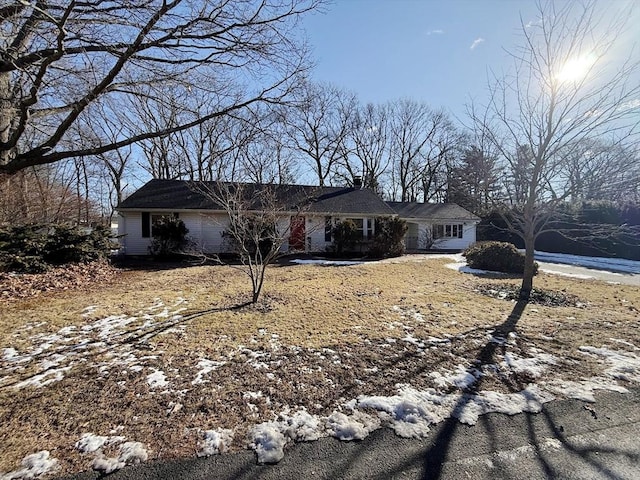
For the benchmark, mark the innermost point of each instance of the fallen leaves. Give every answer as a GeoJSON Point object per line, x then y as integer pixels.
{"type": "Point", "coordinates": [14, 286]}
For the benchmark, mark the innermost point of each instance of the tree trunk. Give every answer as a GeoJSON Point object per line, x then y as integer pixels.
{"type": "Point", "coordinates": [6, 115]}
{"type": "Point", "coordinates": [527, 276]}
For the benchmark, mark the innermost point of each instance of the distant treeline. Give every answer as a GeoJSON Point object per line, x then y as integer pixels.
{"type": "Point", "coordinates": [591, 228]}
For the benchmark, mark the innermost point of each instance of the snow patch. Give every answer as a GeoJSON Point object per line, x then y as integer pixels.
{"type": "Point", "coordinates": [579, 276]}
{"type": "Point", "coordinates": [356, 426]}
{"type": "Point", "coordinates": [302, 427]}
{"type": "Point", "coordinates": [130, 453]}
{"type": "Point", "coordinates": [534, 366]}
{"type": "Point", "coordinates": [602, 263]}
{"type": "Point", "coordinates": [583, 389]}
{"type": "Point", "coordinates": [90, 442]}
{"type": "Point", "coordinates": [133, 452]}
{"type": "Point", "coordinates": [87, 311]}
{"type": "Point", "coordinates": [461, 378]}
{"type": "Point", "coordinates": [215, 442]}
{"type": "Point", "coordinates": [105, 337]}
{"type": "Point", "coordinates": [624, 365]}
{"type": "Point", "coordinates": [9, 353]}
{"type": "Point", "coordinates": [157, 379]}
{"type": "Point", "coordinates": [107, 465]}
{"type": "Point", "coordinates": [268, 442]}
{"type": "Point", "coordinates": [43, 379]}
{"type": "Point", "coordinates": [411, 412]}
{"type": "Point", "coordinates": [325, 262]}
{"type": "Point", "coordinates": [33, 466]}
{"type": "Point", "coordinates": [462, 268]}
{"type": "Point", "coordinates": [206, 367]}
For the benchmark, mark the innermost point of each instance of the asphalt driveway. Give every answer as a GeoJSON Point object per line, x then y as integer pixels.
{"type": "Point", "coordinates": [590, 273]}
{"type": "Point", "coordinates": [569, 439]}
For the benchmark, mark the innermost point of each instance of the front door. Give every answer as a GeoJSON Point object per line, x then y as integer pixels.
{"type": "Point", "coordinates": [296, 238]}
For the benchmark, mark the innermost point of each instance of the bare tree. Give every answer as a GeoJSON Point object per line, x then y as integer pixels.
{"type": "Point", "coordinates": [562, 91]}
{"type": "Point", "coordinates": [159, 108]}
{"type": "Point", "coordinates": [114, 166]}
{"type": "Point", "coordinates": [320, 123]}
{"type": "Point", "coordinates": [367, 155]}
{"type": "Point", "coordinates": [44, 194]}
{"type": "Point", "coordinates": [261, 220]}
{"type": "Point", "coordinates": [475, 182]}
{"type": "Point", "coordinates": [596, 170]}
{"type": "Point", "coordinates": [60, 61]}
{"type": "Point", "coordinates": [421, 142]}
{"type": "Point", "coordinates": [266, 157]}
{"type": "Point", "coordinates": [439, 157]}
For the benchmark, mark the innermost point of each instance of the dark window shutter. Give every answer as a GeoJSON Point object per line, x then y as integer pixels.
{"type": "Point", "coordinates": [460, 231]}
{"type": "Point", "coordinates": [146, 224]}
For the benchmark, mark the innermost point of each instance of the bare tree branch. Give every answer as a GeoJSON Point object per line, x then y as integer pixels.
{"type": "Point", "coordinates": [561, 94]}
{"type": "Point", "coordinates": [56, 67]}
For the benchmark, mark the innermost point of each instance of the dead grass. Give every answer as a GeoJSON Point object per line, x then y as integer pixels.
{"type": "Point", "coordinates": [324, 334]}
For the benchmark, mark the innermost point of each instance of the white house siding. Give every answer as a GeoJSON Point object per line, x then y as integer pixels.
{"type": "Point", "coordinates": [130, 227]}
{"type": "Point", "coordinates": [468, 237]}
{"type": "Point", "coordinates": [206, 232]}
{"type": "Point", "coordinates": [193, 223]}
{"type": "Point", "coordinates": [206, 229]}
{"type": "Point", "coordinates": [420, 230]}
{"type": "Point", "coordinates": [212, 227]}
{"type": "Point", "coordinates": [315, 234]}
{"type": "Point", "coordinates": [122, 230]}
{"type": "Point", "coordinates": [417, 234]}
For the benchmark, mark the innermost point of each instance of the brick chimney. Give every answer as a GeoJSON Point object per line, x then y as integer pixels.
{"type": "Point", "coordinates": [357, 181]}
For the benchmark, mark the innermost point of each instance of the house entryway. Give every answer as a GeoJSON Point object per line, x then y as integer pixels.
{"type": "Point", "coordinates": [411, 238]}
{"type": "Point", "coordinates": [297, 235]}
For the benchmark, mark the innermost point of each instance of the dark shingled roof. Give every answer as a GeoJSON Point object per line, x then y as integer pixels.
{"type": "Point", "coordinates": [432, 211]}
{"type": "Point", "coordinates": [186, 195]}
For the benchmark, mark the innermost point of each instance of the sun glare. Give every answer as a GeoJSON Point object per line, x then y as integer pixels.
{"type": "Point", "coordinates": [576, 68]}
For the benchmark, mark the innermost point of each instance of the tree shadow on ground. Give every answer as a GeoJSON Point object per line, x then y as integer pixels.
{"type": "Point", "coordinates": [435, 457]}
{"type": "Point", "coordinates": [432, 459]}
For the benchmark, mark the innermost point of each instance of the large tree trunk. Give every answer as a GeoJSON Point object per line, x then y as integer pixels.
{"type": "Point", "coordinates": [529, 270]}
{"type": "Point", "coordinates": [6, 116]}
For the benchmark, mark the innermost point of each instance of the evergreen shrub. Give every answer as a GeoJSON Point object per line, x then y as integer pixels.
{"type": "Point", "coordinates": [496, 257]}
{"type": "Point", "coordinates": [389, 238]}
{"type": "Point", "coordinates": [35, 248]}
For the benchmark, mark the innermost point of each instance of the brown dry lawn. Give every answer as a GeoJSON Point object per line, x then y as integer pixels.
{"type": "Point", "coordinates": [321, 336]}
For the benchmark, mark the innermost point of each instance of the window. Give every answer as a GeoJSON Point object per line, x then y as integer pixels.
{"type": "Point", "coordinates": [146, 224]}
{"type": "Point", "coordinates": [454, 230]}
{"type": "Point", "coordinates": [359, 223]}
{"type": "Point", "coordinates": [328, 229]}
{"type": "Point", "coordinates": [155, 218]}
{"type": "Point", "coordinates": [364, 226]}
{"type": "Point", "coordinates": [149, 220]}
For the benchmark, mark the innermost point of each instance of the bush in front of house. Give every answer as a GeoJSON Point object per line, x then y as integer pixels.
{"type": "Point", "coordinates": [73, 244]}
{"type": "Point", "coordinates": [389, 238]}
{"type": "Point", "coordinates": [22, 248]}
{"type": "Point", "coordinates": [35, 248]}
{"type": "Point", "coordinates": [169, 237]}
{"type": "Point", "coordinates": [496, 257]}
{"type": "Point", "coordinates": [345, 235]}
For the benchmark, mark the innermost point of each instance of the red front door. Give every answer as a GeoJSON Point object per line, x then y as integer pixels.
{"type": "Point", "coordinates": [296, 238]}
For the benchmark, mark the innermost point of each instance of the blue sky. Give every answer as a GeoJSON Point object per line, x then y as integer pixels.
{"type": "Point", "coordinates": [438, 51]}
